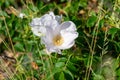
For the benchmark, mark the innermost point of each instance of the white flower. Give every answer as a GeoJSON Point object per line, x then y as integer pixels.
{"type": "Point", "coordinates": [57, 36]}
{"type": "Point", "coordinates": [21, 15]}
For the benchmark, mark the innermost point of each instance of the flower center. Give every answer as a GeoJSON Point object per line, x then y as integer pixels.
{"type": "Point", "coordinates": [58, 40]}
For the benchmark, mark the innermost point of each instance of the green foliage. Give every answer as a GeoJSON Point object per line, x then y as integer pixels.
{"type": "Point", "coordinates": [99, 35]}
{"type": "Point", "coordinates": [19, 47]}
{"type": "Point", "coordinates": [113, 31]}
{"type": "Point", "coordinates": [91, 21]}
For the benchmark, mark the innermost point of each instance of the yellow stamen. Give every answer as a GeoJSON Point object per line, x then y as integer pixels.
{"type": "Point", "coordinates": [58, 40]}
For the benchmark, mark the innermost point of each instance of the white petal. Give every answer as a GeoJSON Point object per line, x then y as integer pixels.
{"type": "Point", "coordinates": [47, 39]}
{"type": "Point", "coordinates": [35, 22]}
{"type": "Point", "coordinates": [46, 17]}
{"type": "Point", "coordinates": [69, 38]}
{"type": "Point", "coordinates": [67, 46]}
{"type": "Point", "coordinates": [49, 46]}
{"type": "Point", "coordinates": [51, 23]}
{"type": "Point", "coordinates": [68, 26]}
{"type": "Point", "coordinates": [42, 20]}
{"type": "Point", "coordinates": [54, 49]}
{"type": "Point", "coordinates": [38, 30]}
{"type": "Point", "coordinates": [52, 15]}
{"type": "Point", "coordinates": [57, 18]}
{"type": "Point", "coordinates": [69, 34]}
{"type": "Point", "coordinates": [46, 20]}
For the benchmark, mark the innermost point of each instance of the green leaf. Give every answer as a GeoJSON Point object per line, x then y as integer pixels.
{"type": "Point", "coordinates": [62, 59]}
{"type": "Point", "coordinates": [54, 71]}
{"type": "Point", "coordinates": [113, 31]}
{"type": "Point", "coordinates": [17, 39]}
{"type": "Point", "coordinates": [19, 47]}
{"type": "Point", "coordinates": [98, 77]}
{"type": "Point", "coordinates": [83, 3]}
{"type": "Point", "coordinates": [2, 13]}
{"type": "Point", "coordinates": [29, 45]}
{"type": "Point", "coordinates": [59, 64]}
{"type": "Point", "coordinates": [118, 72]}
{"type": "Point", "coordinates": [33, 8]}
{"type": "Point", "coordinates": [39, 62]}
{"type": "Point", "coordinates": [71, 67]}
{"type": "Point", "coordinates": [68, 75]}
{"type": "Point", "coordinates": [91, 21]}
{"type": "Point", "coordinates": [61, 77]}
